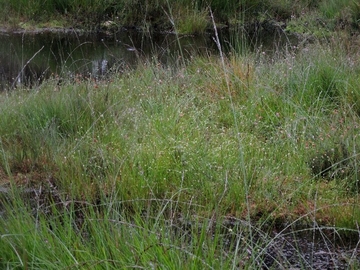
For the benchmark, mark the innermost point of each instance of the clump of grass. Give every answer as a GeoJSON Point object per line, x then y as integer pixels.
{"type": "Point", "coordinates": [327, 16]}
{"type": "Point", "coordinates": [143, 133]}
{"type": "Point", "coordinates": [192, 22]}
{"type": "Point", "coordinates": [79, 235]}
{"type": "Point", "coordinates": [342, 11]}
{"type": "Point", "coordinates": [76, 237]}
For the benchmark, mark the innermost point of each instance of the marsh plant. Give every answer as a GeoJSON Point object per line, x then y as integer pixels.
{"type": "Point", "coordinates": [149, 167]}
{"type": "Point", "coordinates": [207, 164]}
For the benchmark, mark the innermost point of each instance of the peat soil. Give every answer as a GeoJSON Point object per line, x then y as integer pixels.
{"type": "Point", "coordinates": [282, 247]}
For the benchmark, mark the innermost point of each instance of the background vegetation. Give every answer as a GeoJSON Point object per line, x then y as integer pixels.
{"type": "Point", "coordinates": [185, 16]}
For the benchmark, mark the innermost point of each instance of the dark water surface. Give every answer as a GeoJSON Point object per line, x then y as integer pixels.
{"type": "Point", "coordinates": [28, 58]}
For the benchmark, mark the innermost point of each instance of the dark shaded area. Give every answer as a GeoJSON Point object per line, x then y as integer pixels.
{"type": "Point", "coordinates": [331, 162]}
{"type": "Point", "coordinates": [26, 59]}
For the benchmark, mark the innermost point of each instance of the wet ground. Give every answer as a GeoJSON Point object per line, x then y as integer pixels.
{"type": "Point", "coordinates": [311, 250]}
{"type": "Point", "coordinates": [290, 247]}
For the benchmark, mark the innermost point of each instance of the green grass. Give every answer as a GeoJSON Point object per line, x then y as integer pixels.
{"type": "Point", "coordinates": [153, 130]}
{"type": "Point", "coordinates": [120, 165]}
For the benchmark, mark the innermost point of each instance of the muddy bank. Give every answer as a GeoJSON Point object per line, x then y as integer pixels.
{"type": "Point", "coordinates": [289, 247]}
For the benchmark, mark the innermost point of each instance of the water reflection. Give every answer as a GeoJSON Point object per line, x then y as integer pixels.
{"type": "Point", "coordinates": [27, 59]}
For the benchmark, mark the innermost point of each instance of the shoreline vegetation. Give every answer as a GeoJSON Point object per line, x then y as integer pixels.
{"type": "Point", "coordinates": [317, 18]}
{"type": "Point", "coordinates": [186, 167]}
